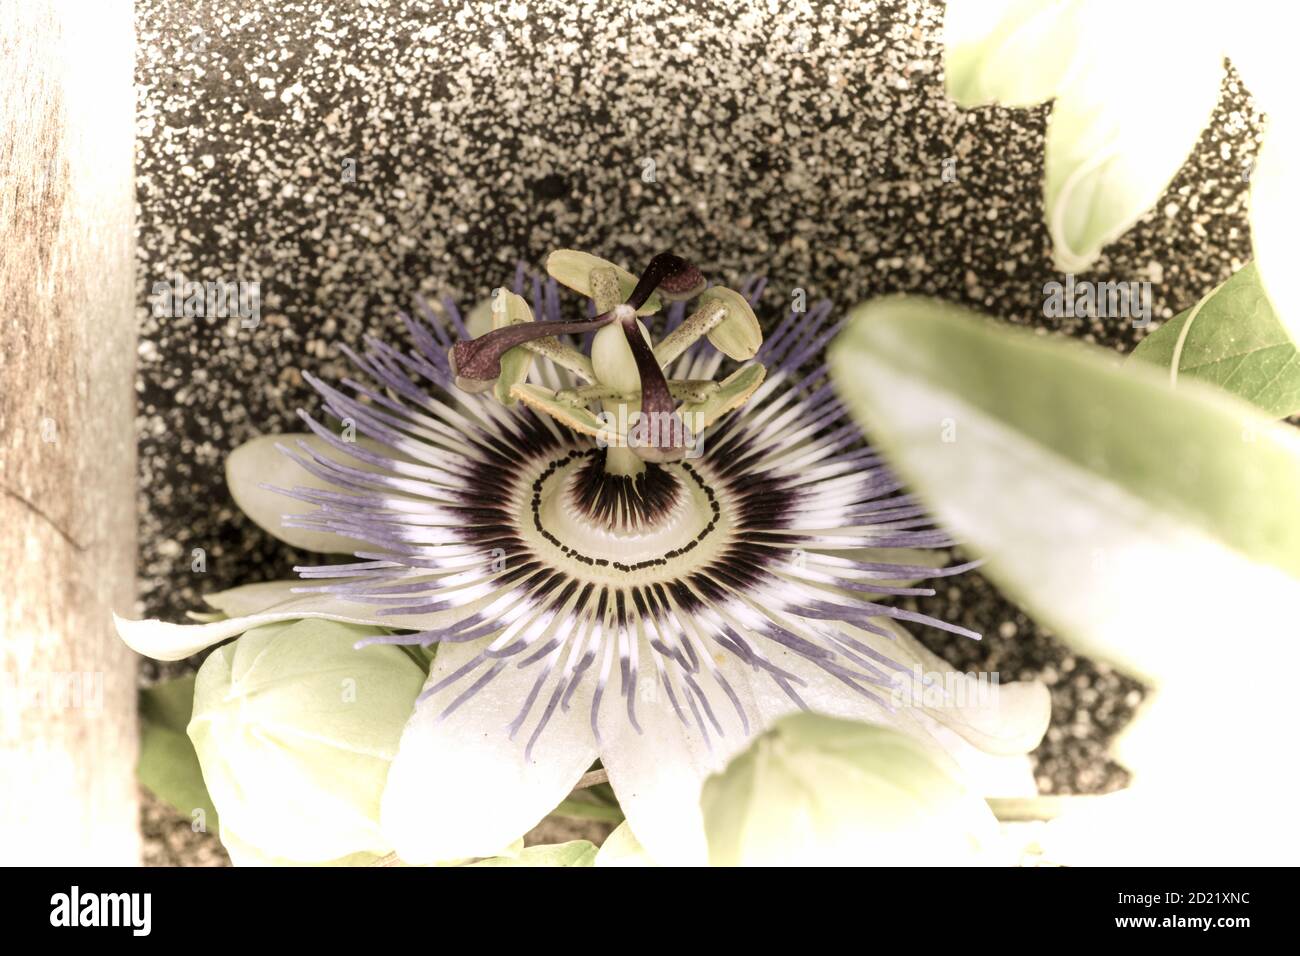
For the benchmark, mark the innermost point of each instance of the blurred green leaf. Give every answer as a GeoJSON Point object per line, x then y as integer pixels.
{"type": "Point", "coordinates": [580, 808]}
{"type": "Point", "coordinates": [1274, 193]}
{"type": "Point", "coordinates": [169, 767]}
{"type": "Point", "coordinates": [1009, 52]}
{"type": "Point", "coordinates": [169, 704]}
{"type": "Point", "coordinates": [1149, 525]}
{"type": "Point", "coordinates": [1115, 138]}
{"type": "Point", "coordinates": [1235, 342]}
{"type": "Point", "coordinates": [573, 853]}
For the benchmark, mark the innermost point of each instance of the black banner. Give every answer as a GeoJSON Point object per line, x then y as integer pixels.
{"type": "Point", "coordinates": [372, 905]}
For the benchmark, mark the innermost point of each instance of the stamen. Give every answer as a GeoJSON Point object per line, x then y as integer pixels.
{"type": "Point", "coordinates": [476, 364]}
{"type": "Point", "coordinates": [675, 278]}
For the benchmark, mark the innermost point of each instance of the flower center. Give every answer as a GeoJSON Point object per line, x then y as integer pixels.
{"type": "Point", "coordinates": [618, 527]}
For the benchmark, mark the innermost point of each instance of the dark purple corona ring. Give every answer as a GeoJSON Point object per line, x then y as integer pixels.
{"type": "Point", "coordinates": [510, 514]}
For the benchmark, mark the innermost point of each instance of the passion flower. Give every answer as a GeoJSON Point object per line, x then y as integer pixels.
{"type": "Point", "coordinates": [617, 556]}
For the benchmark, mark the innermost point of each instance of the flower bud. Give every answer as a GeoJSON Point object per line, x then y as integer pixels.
{"type": "Point", "coordinates": [817, 791]}
{"type": "Point", "coordinates": [294, 729]}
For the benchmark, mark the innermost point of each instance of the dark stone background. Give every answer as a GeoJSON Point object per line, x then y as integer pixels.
{"type": "Point", "coordinates": [806, 144]}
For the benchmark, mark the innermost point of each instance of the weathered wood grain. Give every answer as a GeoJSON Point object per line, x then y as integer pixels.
{"type": "Point", "coordinates": [67, 443]}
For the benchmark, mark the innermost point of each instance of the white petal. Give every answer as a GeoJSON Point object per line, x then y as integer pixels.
{"type": "Point", "coordinates": [989, 775]}
{"type": "Point", "coordinates": [997, 718]}
{"type": "Point", "coordinates": [1274, 212]}
{"type": "Point", "coordinates": [1012, 721]}
{"type": "Point", "coordinates": [657, 775]}
{"type": "Point", "coordinates": [1000, 719]}
{"type": "Point", "coordinates": [256, 604]}
{"type": "Point", "coordinates": [259, 462]}
{"type": "Point", "coordinates": [822, 693]}
{"type": "Point", "coordinates": [460, 787]}
{"type": "Point", "coordinates": [1117, 136]}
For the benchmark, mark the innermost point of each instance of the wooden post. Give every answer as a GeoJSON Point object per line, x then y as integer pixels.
{"type": "Point", "coordinates": [68, 733]}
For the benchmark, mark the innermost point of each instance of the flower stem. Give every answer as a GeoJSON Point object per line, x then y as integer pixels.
{"type": "Point", "coordinates": [592, 779]}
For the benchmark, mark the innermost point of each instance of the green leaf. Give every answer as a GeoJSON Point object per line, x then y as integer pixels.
{"type": "Point", "coordinates": [1235, 342]}
{"type": "Point", "coordinates": [819, 790]}
{"type": "Point", "coordinates": [573, 853]}
{"type": "Point", "coordinates": [1149, 525]}
{"type": "Point", "coordinates": [169, 767]}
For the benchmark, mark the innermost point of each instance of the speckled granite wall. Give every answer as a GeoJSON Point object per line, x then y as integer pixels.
{"type": "Point", "coordinates": [804, 141]}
